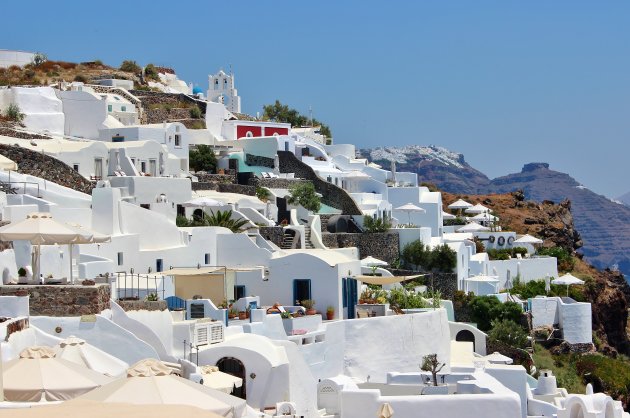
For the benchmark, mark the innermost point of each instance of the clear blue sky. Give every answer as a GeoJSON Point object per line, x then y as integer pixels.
{"type": "Point", "coordinates": [503, 82]}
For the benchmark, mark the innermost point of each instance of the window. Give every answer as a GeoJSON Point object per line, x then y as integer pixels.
{"type": "Point", "coordinates": [123, 108]}
{"type": "Point", "coordinates": [143, 166]}
{"type": "Point", "coordinates": [98, 168]}
{"type": "Point", "coordinates": [178, 140]}
{"type": "Point", "coordinates": [120, 259]}
{"type": "Point", "coordinates": [301, 289]}
{"type": "Point", "coordinates": [159, 265]}
{"type": "Point", "coordinates": [109, 108]}
{"type": "Point", "coordinates": [75, 167]}
{"type": "Point", "coordinates": [206, 259]}
{"type": "Point", "coordinates": [216, 84]}
{"type": "Point", "coordinates": [249, 134]}
{"type": "Point", "coordinates": [145, 206]}
{"type": "Point", "coordinates": [239, 292]}
{"type": "Point", "coordinates": [133, 162]}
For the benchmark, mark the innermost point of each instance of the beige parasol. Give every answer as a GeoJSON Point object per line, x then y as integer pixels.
{"type": "Point", "coordinates": [80, 352]}
{"type": "Point", "coordinates": [94, 409]}
{"type": "Point", "coordinates": [215, 379]}
{"type": "Point", "coordinates": [37, 375]}
{"type": "Point", "coordinates": [385, 411]}
{"type": "Point", "coordinates": [149, 382]}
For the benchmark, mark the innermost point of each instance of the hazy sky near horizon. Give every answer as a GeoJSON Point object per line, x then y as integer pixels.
{"type": "Point", "coordinates": [503, 82]}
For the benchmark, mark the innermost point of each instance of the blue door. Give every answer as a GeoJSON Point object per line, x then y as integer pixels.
{"type": "Point", "coordinates": [349, 295]}
{"type": "Point", "coordinates": [301, 290]}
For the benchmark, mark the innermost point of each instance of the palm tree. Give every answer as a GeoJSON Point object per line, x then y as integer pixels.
{"type": "Point", "coordinates": [224, 219]}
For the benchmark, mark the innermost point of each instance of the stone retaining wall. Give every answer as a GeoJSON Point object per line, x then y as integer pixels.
{"type": "Point", "coordinates": [331, 195]}
{"type": "Point", "coordinates": [256, 160]}
{"type": "Point", "coordinates": [383, 246]}
{"type": "Point", "coordinates": [237, 188]}
{"type": "Point", "coordinates": [272, 233]}
{"type": "Point", "coordinates": [46, 167]}
{"type": "Point", "coordinates": [62, 300]}
{"type": "Point", "coordinates": [152, 97]}
{"type": "Point", "coordinates": [275, 183]}
{"type": "Point", "coordinates": [161, 114]}
{"type": "Point", "coordinates": [142, 305]}
{"type": "Point", "coordinates": [216, 178]}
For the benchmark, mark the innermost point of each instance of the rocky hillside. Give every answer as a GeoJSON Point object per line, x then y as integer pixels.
{"type": "Point", "coordinates": [438, 165]}
{"type": "Point", "coordinates": [601, 222]}
{"type": "Point", "coordinates": [607, 291]}
{"type": "Point", "coordinates": [625, 199]}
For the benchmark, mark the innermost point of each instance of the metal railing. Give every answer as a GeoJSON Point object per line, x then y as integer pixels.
{"type": "Point", "coordinates": [130, 286]}
{"type": "Point", "coordinates": [23, 183]}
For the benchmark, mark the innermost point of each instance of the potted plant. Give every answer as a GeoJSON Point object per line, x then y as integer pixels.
{"type": "Point", "coordinates": [242, 315]}
{"type": "Point", "coordinates": [330, 313]}
{"type": "Point", "coordinates": [22, 274]}
{"type": "Point", "coordinates": [232, 313]}
{"type": "Point", "coordinates": [285, 315]}
{"type": "Point", "coordinates": [309, 305]}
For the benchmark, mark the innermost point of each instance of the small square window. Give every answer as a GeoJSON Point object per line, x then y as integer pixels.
{"type": "Point", "coordinates": [109, 108]}
{"type": "Point", "coordinates": [120, 259]}
{"type": "Point", "coordinates": [123, 108]}
{"type": "Point", "coordinates": [75, 167]}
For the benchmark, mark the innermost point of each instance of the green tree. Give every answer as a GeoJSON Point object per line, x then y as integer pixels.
{"type": "Point", "coordinates": [443, 259]}
{"type": "Point", "coordinates": [304, 194]}
{"type": "Point", "coordinates": [283, 113]}
{"type": "Point", "coordinates": [430, 363]}
{"type": "Point", "coordinates": [130, 66]}
{"type": "Point", "coordinates": [224, 219]}
{"type": "Point", "coordinates": [202, 159]}
{"type": "Point", "coordinates": [416, 254]}
{"type": "Point", "coordinates": [195, 112]}
{"type": "Point", "coordinates": [508, 332]}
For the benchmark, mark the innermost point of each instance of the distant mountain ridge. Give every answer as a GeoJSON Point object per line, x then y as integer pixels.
{"type": "Point", "coordinates": [603, 224]}
{"type": "Point", "coordinates": [625, 199]}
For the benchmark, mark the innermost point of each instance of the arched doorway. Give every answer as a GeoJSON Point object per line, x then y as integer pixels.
{"type": "Point", "coordinates": [465, 335]}
{"type": "Point", "coordinates": [235, 367]}
{"type": "Point", "coordinates": [576, 411]}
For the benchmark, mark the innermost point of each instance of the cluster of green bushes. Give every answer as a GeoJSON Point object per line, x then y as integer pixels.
{"type": "Point", "coordinates": [283, 113]}
{"type": "Point", "coordinates": [13, 113]}
{"type": "Point", "coordinates": [535, 288]}
{"type": "Point", "coordinates": [130, 66]}
{"type": "Point", "coordinates": [456, 221]}
{"type": "Point", "coordinates": [418, 256]}
{"type": "Point", "coordinates": [505, 253]}
{"type": "Point", "coordinates": [372, 225]}
{"type": "Point", "coordinates": [566, 262]}
{"type": "Point", "coordinates": [606, 374]}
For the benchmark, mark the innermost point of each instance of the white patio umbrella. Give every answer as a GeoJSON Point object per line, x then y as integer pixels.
{"type": "Point", "coordinates": [371, 262]}
{"type": "Point", "coordinates": [498, 358]}
{"type": "Point", "coordinates": [78, 351]}
{"type": "Point", "coordinates": [446, 215]}
{"type": "Point", "coordinates": [473, 227]}
{"type": "Point", "coordinates": [485, 217]}
{"type": "Point", "coordinates": [460, 204]}
{"type": "Point", "coordinates": [567, 280]}
{"type": "Point", "coordinates": [528, 239]}
{"type": "Point", "coordinates": [478, 208]}
{"type": "Point", "coordinates": [149, 382]}
{"type": "Point", "coordinates": [7, 164]}
{"type": "Point", "coordinates": [37, 376]}
{"type": "Point", "coordinates": [483, 278]}
{"type": "Point", "coordinates": [410, 207]}
{"type": "Point", "coordinates": [39, 228]}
